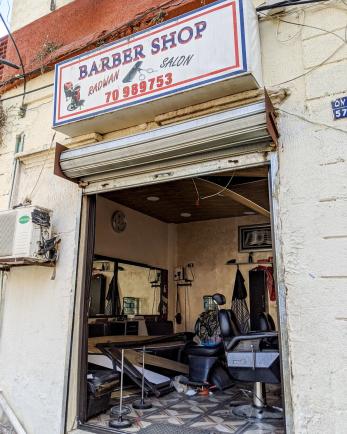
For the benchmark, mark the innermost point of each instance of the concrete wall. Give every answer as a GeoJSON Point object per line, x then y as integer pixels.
{"type": "Point", "coordinates": [23, 14]}
{"type": "Point", "coordinates": [35, 316]}
{"type": "Point", "coordinates": [209, 245]}
{"type": "Point", "coordinates": [144, 240]}
{"type": "Point", "coordinates": [312, 193]}
{"type": "Point", "coordinates": [36, 302]}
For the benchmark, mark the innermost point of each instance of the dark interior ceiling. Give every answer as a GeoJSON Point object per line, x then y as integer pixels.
{"type": "Point", "coordinates": [181, 196]}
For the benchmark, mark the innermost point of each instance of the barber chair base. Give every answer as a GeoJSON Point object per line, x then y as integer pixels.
{"type": "Point", "coordinates": [185, 380]}
{"type": "Point", "coordinates": [142, 405]}
{"type": "Point", "coordinates": [200, 367]}
{"type": "Point", "coordinates": [120, 423]}
{"type": "Point", "coordinates": [250, 411]}
{"type": "Point", "coordinates": [258, 409]}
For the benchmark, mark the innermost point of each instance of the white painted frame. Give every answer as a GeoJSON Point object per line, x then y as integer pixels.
{"type": "Point", "coordinates": [191, 170]}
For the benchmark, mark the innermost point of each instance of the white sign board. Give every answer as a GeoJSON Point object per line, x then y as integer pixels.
{"type": "Point", "coordinates": [193, 50]}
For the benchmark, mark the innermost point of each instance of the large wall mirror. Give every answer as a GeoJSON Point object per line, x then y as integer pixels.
{"type": "Point", "coordinates": [120, 287]}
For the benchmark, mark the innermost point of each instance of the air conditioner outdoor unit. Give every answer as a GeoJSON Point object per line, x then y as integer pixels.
{"type": "Point", "coordinates": [23, 234]}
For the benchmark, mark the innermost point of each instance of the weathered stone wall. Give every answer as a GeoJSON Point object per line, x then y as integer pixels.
{"type": "Point", "coordinates": [313, 206]}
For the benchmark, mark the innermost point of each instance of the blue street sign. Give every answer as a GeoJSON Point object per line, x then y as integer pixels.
{"type": "Point", "coordinates": [340, 108]}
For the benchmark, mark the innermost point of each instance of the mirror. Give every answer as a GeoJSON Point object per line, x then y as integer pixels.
{"type": "Point", "coordinates": [139, 289]}
{"type": "Point", "coordinates": [100, 303]}
{"type": "Point", "coordinates": [124, 288]}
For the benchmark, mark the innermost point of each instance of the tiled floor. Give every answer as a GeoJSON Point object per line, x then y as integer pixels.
{"type": "Point", "coordinates": [199, 414]}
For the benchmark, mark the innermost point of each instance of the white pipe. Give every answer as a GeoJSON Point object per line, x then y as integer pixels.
{"type": "Point", "coordinates": [2, 297]}
{"type": "Point", "coordinates": [11, 416]}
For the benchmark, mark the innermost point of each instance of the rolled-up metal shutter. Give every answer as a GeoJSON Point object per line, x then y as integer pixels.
{"type": "Point", "coordinates": [244, 129]}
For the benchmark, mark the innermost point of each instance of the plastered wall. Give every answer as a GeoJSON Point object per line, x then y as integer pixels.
{"type": "Point", "coordinates": [209, 245]}
{"type": "Point", "coordinates": [36, 302]}
{"type": "Point", "coordinates": [312, 193]}
{"type": "Point", "coordinates": [23, 13]}
{"type": "Point", "coordinates": [144, 240]}
{"type": "Point", "coordinates": [35, 313]}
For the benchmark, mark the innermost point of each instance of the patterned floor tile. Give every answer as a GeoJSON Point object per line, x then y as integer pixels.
{"type": "Point", "coordinates": [263, 428]}
{"type": "Point", "coordinates": [208, 414]}
{"type": "Point", "coordinates": [213, 424]}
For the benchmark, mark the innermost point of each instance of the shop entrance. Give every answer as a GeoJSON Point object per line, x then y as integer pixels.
{"type": "Point", "coordinates": [181, 274]}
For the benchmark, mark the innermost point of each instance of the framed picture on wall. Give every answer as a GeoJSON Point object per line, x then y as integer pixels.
{"type": "Point", "coordinates": [255, 238]}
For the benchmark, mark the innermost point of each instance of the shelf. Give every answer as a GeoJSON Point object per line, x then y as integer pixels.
{"type": "Point", "coordinates": [251, 263]}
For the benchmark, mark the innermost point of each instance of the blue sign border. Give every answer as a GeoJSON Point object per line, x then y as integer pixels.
{"type": "Point", "coordinates": [153, 97]}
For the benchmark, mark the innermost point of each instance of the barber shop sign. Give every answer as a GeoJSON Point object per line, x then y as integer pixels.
{"type": "Point", "coordinates": [193, 50]}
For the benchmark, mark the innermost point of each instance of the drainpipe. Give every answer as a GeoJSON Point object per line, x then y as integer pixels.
{"type": "Point", "coordinates": [11, 416]}
{"type": "Point", "coordinates": [19, 148]}
{"type": "Point", "coordinates": [2, 296]}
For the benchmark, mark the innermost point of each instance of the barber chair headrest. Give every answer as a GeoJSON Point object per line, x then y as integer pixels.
{"type": "Point", "coordinates": [266, 323]}
{"type": "Point", "coordinates": [219, 299]}
{"type": "Point", "coordinates": [228, 324]}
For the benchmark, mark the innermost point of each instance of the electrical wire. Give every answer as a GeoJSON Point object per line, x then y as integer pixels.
{"type": "Point", "coordinates": [210, 195]}
{"type": "Point", "coordinates": [272, 18]}
{"type": "Point", "coordinates": [27, 92]}
{"type": "Point", "coordinates": [279, 21]}
{"type": "Point", "coordinates": [219, 192]}
{"type": "Point", "coordinates": [18, 54]}
{"type": "Point", "coordinates": [287, 3]}
{"type": "Point", "coordinates": [197, 192]}
{"type": "Point", "coordinates": [42, 167]}
{"type": "Point", "coordinates": [286, 12]}
{"type": "Point", "coordinates": [38, 106]}
{"type": "Point", "coordinates": [264, 18]}
{"type": "Point", "coordinates": [310, 27]}
{"type": "Point", "coordinates": [303, 118]}
{"type": "Point", "coordinates": [130, 24]}
{"type": "Point", "coordinates": [304, 74]}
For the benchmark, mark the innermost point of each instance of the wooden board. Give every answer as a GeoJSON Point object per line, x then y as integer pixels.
{"type": "Point", "coordinates": [135, 357]}
{"type": "Point", "coordinates": [178, 196]}
{"type": "Point", "coordinates": [92, 342]}
{"type": "Point", "coordinates": [237, 197]}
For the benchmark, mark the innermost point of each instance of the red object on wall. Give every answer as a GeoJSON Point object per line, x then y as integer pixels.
{"type": "Point", "coordinates": [85, 24]}
{"type": "Point", "coordinates": [3, 49]}
{"type": "Point", "coordinates": [270, 283]}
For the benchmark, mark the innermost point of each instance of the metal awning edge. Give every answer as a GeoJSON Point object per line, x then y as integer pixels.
{"type": "Point", "coordinates": [171, 141]}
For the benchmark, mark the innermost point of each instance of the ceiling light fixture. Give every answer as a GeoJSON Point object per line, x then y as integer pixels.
{"type": "Point", "coordinates": [185, 214]}
{"type": "Point", "coordinates": [249, 213]}
{"type": "Point", "coordinates": [153, 198]}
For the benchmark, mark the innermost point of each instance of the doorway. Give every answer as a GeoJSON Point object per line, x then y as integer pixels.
{"type": "Point", "coordinates": [202, 237]}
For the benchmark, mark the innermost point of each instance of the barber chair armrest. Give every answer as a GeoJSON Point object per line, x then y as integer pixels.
{"type": "Point", "coordinates": [251, 336]}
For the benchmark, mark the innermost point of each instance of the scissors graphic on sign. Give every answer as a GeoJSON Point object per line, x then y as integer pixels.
{"type": "Point", "coordinates": [137, 69]}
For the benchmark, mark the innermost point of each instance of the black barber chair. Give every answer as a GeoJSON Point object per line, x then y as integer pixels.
{"type": "Point", "coordinates": [266, 322]}
{"type": "Point", "coordinates": [252, 357]}
{"type": "Point", "coordinates": [203, 360]}
{"type": "Point", "coordinates": [101, 383]}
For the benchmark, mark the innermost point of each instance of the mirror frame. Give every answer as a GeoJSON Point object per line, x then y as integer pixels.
{"type": "Point", "coordinates": [164, 290]}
